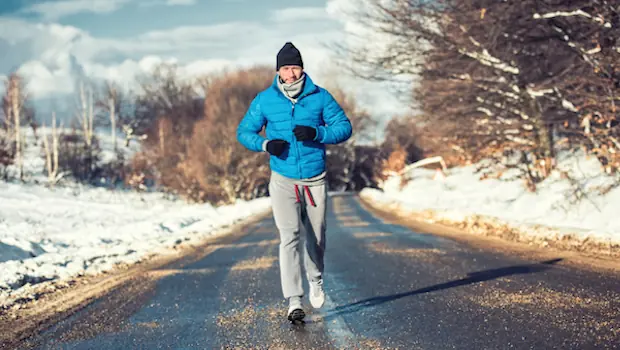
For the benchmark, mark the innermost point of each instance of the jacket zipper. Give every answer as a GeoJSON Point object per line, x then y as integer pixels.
{"type": "Point", "coordinates": [295, 140]}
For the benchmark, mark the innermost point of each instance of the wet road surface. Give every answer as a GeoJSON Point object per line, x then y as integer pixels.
{"type": "Point", "coordinates": [387, 288]}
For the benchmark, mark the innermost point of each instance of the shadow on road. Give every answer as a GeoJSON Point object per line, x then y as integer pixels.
{"type": "Point", "coordinates": [471, 278]}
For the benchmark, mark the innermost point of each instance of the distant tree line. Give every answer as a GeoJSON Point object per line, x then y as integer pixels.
{"type": "Point", "coordinates": [186, 132]}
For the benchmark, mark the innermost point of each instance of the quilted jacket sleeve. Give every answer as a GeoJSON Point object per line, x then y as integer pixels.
{"type": "Point", "coordinates": [338, 128]}
{"type": "Point", "coordinates": [251, 124]}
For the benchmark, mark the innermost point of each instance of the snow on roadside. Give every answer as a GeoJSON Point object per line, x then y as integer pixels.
{"type": "Point", "coordinates": [50, 234]}
{"type": "Point", "coordinates": [462, 195]}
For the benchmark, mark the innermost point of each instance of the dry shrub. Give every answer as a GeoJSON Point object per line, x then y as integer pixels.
{"type": "Point", "coordinates": [219, 167]}
{"type": "Point", "coordinates": [140, 173]}
{"type": "Point", "coordinates": [403, 134]}
{"type": "Point", "coordinates": [77, 158]}
{"type": "Point", "coordinates": [395, 162]}
{"type": "Point", "coordinates": [191, 147]}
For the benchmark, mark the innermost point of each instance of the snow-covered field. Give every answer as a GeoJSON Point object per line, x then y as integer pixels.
{"type": "Point", "coordinates": [52, 234]}
{"type": "Point", "coordinates": [34, 154]}
{"type": "Point", "coordinates": [462, 195]}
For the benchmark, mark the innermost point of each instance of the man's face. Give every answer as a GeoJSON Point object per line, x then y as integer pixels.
{"type": "Point", "coordinates": [289, 74]}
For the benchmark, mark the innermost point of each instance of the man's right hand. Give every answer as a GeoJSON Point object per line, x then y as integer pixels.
{"type": "Point", "coordinates": [276, 147]}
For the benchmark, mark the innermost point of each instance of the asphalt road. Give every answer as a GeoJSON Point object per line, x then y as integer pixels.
{"type": "Point", "coordinates": [387, 287]}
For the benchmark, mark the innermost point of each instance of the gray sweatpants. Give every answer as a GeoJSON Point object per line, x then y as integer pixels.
{"type": "Point", "coordinates": [292, 211]}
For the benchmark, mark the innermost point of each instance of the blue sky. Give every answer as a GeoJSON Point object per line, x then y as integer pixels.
{"type": "Point", "coordinates": [48, 41]}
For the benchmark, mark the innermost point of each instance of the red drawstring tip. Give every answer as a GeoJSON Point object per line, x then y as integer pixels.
{"type": "Point", "coordinates": [297, 194]}
{"type": "Point", "coordinates": [310, 196]}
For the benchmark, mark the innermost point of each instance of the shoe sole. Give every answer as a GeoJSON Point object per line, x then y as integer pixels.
{"type": "Point", "coordinates": [296, 315]}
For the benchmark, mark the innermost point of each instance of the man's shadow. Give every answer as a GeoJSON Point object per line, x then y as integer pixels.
{"type": "Point", "coordinates": [471, 278]}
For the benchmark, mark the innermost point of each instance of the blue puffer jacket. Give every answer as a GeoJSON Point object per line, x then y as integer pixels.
{"type": "Point", "coordinates": [315, 107]}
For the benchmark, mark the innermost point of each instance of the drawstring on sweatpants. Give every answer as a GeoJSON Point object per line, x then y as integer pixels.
{"type": "Point", "coordinates": [307, 192]}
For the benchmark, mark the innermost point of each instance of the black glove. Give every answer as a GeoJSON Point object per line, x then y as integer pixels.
{"type": "Point", "coordinates": [304, 133]}
{"type": "Point", "coordinates": [276, 147]}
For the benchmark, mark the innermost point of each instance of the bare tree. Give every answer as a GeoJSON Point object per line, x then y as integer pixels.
{"type": "Point", "coordinates": [86, 112]}
{"type": "Point", "coordinates": [51, 153]}
{"type": "Point", "coordinates": [164, 93]}
{"type": "Point", "coordinates": [112, 110]}
{"type": "Point", "coordinates": [110, 103]}
{"type": "Point", "coordinates": [503, 77]}
{"type": "Point", "coordinates": [15, 113]}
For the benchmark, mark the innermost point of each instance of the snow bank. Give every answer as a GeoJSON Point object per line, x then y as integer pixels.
{"type": "Point", "coordinates": [52, 234]}
{"type": "Point", "coordinates": [462, 195]}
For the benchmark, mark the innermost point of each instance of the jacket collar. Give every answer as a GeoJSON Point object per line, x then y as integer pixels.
{"type": "Point", "coordinates": [309, 87]}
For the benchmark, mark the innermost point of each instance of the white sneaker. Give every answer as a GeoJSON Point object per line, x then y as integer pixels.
{"type": "Point", "coordinates": [317, 295]}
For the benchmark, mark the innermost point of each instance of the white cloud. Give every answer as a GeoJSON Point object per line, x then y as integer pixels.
{"type": "Point", "coordinates": [125, 72]}
{"type": "Point", "coordinates": [180, 2]}
{"type": "Point", "coordinates": [43, 53]}
{"type": "Point", "coordinates": [53, 10]}
{"type": "Point", "coordinates": [52, 55]}
{"type": "Point", "coordinates": [299, 14]}
{"type": "Point", "coordinates": [200, 36]}
{"type": "Point", "coordinates": [151, 3]}
{"type": "Point", "coordinates": [15, 31]}
{"type": "Point", "coordinates": [203, 67]}
{"type": "Point", "coordinates": [44, 81]}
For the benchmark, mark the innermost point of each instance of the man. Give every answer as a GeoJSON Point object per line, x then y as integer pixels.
{"type": "Point", "coordinates": [300, 119]}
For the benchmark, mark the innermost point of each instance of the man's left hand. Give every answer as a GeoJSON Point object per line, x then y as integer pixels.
{"type": "Point", "coordinates": [304, 133]}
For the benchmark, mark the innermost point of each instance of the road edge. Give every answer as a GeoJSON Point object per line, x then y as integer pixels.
{"type": "Point", "coordinates": [33, 316]}
{"type": "Point", "coordinates": [485, 237]}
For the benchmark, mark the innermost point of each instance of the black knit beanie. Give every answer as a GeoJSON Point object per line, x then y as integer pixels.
{"type": "Point", "coordinates": [289, 56]}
